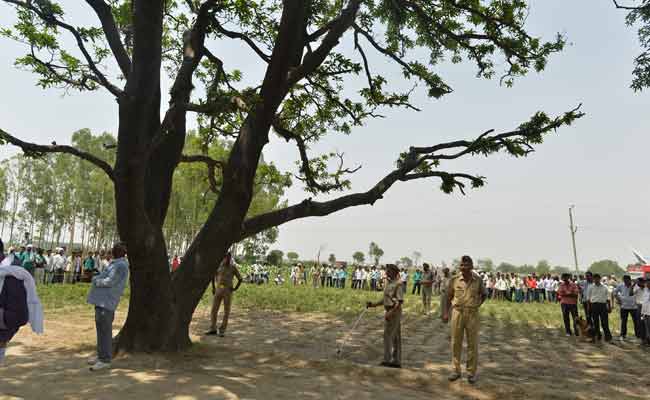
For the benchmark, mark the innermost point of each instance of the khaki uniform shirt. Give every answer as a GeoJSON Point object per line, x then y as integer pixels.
{"type": "Point", "coordinates": [467, 294]}
{"type": "Point", "coordinates": [225, 275]}
{"type": "Point", "coordinates": [393, 293]}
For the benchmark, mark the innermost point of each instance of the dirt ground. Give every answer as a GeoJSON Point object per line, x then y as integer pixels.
{"type": "Point", "coordinates": [269, 355]}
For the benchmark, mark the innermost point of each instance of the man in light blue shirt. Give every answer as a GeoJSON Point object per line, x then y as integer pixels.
{"type": "Point", "coordinates": [105, 293]}
{"type": "Point", "coordinates": [625, 297]}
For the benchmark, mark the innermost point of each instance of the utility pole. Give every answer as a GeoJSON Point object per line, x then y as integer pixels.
{"type": "Point", "coordinates": [573, 230]}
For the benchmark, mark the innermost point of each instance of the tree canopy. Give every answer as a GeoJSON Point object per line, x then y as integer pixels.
{"type": "Point", "coordinates": [358, 257]}
{"type": "Point", "coordinates": [311, 87]}
{"type": "Point", "coordinates": [606, 268]}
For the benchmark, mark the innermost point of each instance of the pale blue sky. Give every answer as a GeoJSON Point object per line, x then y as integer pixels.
{"type": "Point", "coordinates": [521, 216]}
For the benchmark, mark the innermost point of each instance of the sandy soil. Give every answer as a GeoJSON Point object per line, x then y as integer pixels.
{"type": "Point", "coordinates": [269, 355]}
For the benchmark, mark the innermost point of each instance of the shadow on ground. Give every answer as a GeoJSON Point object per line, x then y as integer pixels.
{"type": "Point", "coordinates": [270, 355]}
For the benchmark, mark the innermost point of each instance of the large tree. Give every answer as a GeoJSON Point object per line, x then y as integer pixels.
{"type": "Point", "coordinates": [303, 95]}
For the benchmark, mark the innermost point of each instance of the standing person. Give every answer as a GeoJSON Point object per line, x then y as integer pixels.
{"type": "Point", "coordinates": [19, 302]}
{"type": "Point", "coordinates": [58, 266]}
{"type": "Point", "coordinates": [88, 267]}
{"type": "Point", "coordinates": [39, 265]}
{"type": "Point", "coordinates": [323, 275]}
{"type": "Point", "coordinates": [599, 308]}
{"type": "Point", "coordinates": [519, 288]}
{"type": "Point", "coordinates": [315, 275]}
{"type": "Point", "coordinates": [638, 298]}
{"type": "Point", "coordinates": [417, 278]}
{"type": "Point", "coordinates": [392, 302]}
{"type": "Point", "coordinates": [97, 261]}
{"type": "Point", "coordinates": [49, 267]}
{"type": "Point", "coordinates": [427, 288]}
{"type": "Point", "coordinates": [77, 266]}
{"type": "Point", "coordinates": [645, 312]}
{"type": "Point", "coordinates": [294, 275]}
{"type": "Point", "coordinates": [568, 292]}
{"type": "Point", "coordinates": [343, 274]}
{"type": "Point", "coordinates": [445, 280]}
{"type": "Point", "coordinates": [373, 278]}
{"type": "Point", "coordinates": [226, 272]}
{"type": "Point", "coordinates": [28, 259]}
{"type": "Point", "coordinates": [466, 294]}
{"type": "Point", "coordinates": [624, 294]}
{"type": "Point", "coordinates": [105, 292]}
{"type": "Point", "coordinates": [405, 278]}
{"type": "Point", "coordinates": [584, 286]}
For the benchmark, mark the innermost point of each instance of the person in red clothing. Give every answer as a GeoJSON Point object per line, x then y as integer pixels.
{"type": "Point", "coordinates": [175, 263]}
{"type": "Point", "coordinates": [568, 294]}
{"type": "Point", "coordinates": [531, 293]}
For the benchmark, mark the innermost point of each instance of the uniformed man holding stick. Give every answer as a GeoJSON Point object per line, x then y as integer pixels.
{"type": "Point", "coordinates": [392, 302]}
{"type": "Point", "coordinates": [466, 293]}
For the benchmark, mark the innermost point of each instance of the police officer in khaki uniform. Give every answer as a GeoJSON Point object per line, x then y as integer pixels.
{"type": "Point", "coordinates": [427, 288]}
{"type": "Point", "coordinates": [223, 293]}
{"type": "Point", "coordinates": [466, 293]}
{"type": "Point", "coordinates": [392, 302]}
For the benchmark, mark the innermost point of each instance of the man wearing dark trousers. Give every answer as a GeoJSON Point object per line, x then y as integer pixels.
{"type": "Point", "coordinates": [624, 295]}
{"type": "Point", "coordinates": [568, 292]}
{"type": "Point", "coordinates": [599, 307]}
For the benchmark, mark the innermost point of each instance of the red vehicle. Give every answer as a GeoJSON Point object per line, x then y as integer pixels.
{"type": "Point", "coordinates": [637, 271]}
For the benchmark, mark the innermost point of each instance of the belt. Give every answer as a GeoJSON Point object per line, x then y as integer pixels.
{"type": "Point", "coordinates": [465, 308]}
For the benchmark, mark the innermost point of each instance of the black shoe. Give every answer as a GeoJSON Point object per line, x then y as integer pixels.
{"type": "Point", "coordinates": [385, 364]}
{"type": "Point", "coordinates": [211, 332]}
{"type": "Point", "coordinates": [395, 365]}
{"type": "Point", "coordinates": [453, 377]}
{"type": "Point", "coordinates": [221, 334]}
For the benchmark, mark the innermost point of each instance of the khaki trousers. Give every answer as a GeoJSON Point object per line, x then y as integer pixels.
{"type": "Point", "coordinates": [443, 302]}
{"type": "Point", "coordinates": [426, 298]}
{"type": "Point", "coordinates": [393, 338]}
{"type": "Point", "coordinates": [225, 295]}
{"type": "Point", "coordinates": [465, 322]}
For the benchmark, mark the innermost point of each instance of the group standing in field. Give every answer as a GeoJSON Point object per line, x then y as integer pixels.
{"type": "Point", "coordinates": [461, 295]}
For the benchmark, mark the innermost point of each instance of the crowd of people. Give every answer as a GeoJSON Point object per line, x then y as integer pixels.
{"type": "Point", "coordinates": [55, 266]}
{"type": "Point", "coordinates": [597, 295]}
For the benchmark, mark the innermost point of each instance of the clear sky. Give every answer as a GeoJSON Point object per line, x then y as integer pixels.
{"type": "Point", "coordinates": [520, 216]}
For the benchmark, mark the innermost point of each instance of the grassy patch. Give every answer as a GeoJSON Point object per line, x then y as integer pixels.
{"type": "Point", "coordinates": [340, 302]}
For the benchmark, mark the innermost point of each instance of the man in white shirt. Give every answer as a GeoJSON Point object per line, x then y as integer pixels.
{"type": "Point", "coordinates": [58, 266]}
{"type": "Point", "coordinates": [625, 297]}
{"type": "Point", "coordinates": [645, 312]}
{"type": "Point", "coordinates": [599, 308]}
{"type": "Point", "coordinates": [638, 299]}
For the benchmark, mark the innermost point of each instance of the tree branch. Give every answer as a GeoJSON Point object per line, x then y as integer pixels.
{"type": "Point", "coordinates": [337, 28]}
{"type": "Point", "coordinates": [413, 165]}
{"type": "Point", "coordinates": [38, 150]}
{"type": "Point", "coordinates": [50, 19]}
{"type": "Point", "coordinates": [397, 59]}
{"type": "Point", "coordinates": [210, 163]}
{"type": "Point", "coordinates": [241, 36]}
{"type": "Point", "coordinates": [112, 34]}
{"type": "Point", "coordinates": [527, 132]}
{"type": "Point", "coordinates": [633, 8]}
{"type": "Point", "coordinates": [305, 168]}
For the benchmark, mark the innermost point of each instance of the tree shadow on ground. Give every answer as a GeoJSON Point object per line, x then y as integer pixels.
{"type": "Point", "coordinates": [273, 355]}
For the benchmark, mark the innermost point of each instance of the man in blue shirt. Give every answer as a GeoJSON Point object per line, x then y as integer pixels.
{"type": "Point", "coordinates": [105, 293]}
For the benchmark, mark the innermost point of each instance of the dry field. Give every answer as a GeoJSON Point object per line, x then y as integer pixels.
{"type": "Point", "coordinates": [275, 355]}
